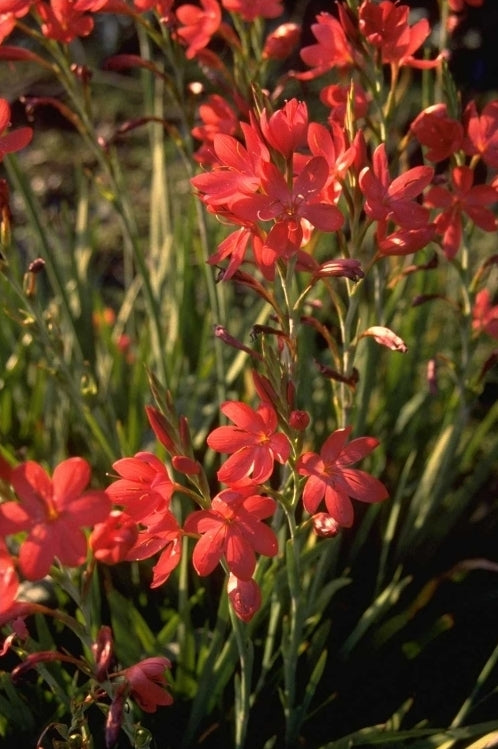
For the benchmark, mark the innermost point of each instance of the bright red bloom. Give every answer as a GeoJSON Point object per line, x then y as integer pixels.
{"type": "Point", "coordinates": [53, 511]}
{"type": "Point", "coordinates": [330, 477]}
{"type": "Point", "coordinates": [147, 683]}
{"type": "Point", "coordinates": [403, 241]}
{"type": "Point", "coordinates": [288, 206]}
{"type": "Point", "coordinates": [237, 172]}
{"type": "Point", "coordinates": [464, 198]}
{"type": "Point", "coordinates": [388, 200]}
{"type": "Point", "coordinates": [64, 20]}
{"type": "Point", "coordinates": [440, 134]}
{"type": "Point", "coordinates": [217, 116]}
{"type": "Point", "coordinates": [111, 540]}
{"type": "Point", "coordinates": [336, 96]}
{"type": "Point", "coordinates": [253, 440]}
{"type": "Point", "coordinates": [16, 139]}
{"type": "Point", "coordinates": [385, 25]}
{"type": "Point", "coordinates": [484, 315]}
{"type": "Point", "coordinates": [198, 25]}
{"type": "Point", "coordinates": [244, 597]}
{"type": "Point", "coordinates": [162, 7]}
{"type": "Point", "coordinates": [10, 11]}
{"type": "Point", "coordinates": [232, 529]}
{"type": "Point", "coordinates": [281, 42]}
{"type": "Point", "coordinates": [145, 487]}
{"type": "Point", "coordinates": [164, 535]}
{"type": "Point", "coordinates": [482, 132]}
{"type": "Point", "coordinates": [457, 6]}
{"type": "Point", "coordinates": [249, 11]}
{"type": "Point", "coordinates": [286, 129]}
{"type": "Point", "coordinates": [12, 611]}
{"type": "Point", "coordinates": [332, 48]}
{"type": "Point", "coordinates": [330, 143]}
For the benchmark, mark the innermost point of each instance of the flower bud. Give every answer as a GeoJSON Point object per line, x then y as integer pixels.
{"type": "Point", "coordinates": [324, 525]}
{"type": "Point", "coordinates": [299, 420]}
{"type": "Point", "coordinates": [102, 652]}
{"type": "Point", "coordinates": [161, 428]}
{"type": "Point", "coordinates": [111, 540]}
{"type": "Point", "coordinates": [186, 465]}
{"type": "Point", "coordinates": [386, 337]}
{"type": "Point", "coordinates": [244, 597]}
{"type": "Point", "coordinates": [281, 42]}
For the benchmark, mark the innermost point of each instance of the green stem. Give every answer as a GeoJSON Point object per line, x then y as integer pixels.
{"type": "Point", "coordinates": [243, 683]}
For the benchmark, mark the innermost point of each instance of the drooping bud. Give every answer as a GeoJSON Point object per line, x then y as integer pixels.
{"type": "Point", "coordinates": [102, 652]}
{"type": "Point", "coordinates": [244, 597]}
{"type": "Point", "coordinates": [115, 716]}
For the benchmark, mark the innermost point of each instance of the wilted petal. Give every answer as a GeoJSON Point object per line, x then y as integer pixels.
{"type": "Point", "coordinates": [386, 337]}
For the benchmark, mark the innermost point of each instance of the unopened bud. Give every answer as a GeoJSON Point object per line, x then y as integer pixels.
{"type": "Point", "coordinates": [299, 420]}
{"type": "Point", "coordinates": [282, 41]}
{"type": "Point", "coordinates": [161, 428]}
{"type": "Point", "coordinates": [102, 652]}
{"type": "Point", "coordinates": [325, 525]}
{"type": "Point", "coordinates": [432, 376]}
{"type": "Point", "coordinates": [185, 465]}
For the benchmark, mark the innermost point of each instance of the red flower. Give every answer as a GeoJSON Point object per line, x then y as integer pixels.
{"type": "Point", "coordinates": [249, 11]}
{"type": "Point", "coordinates": [394, 201]}
{"type": "Point", "coordinates": [15, 140]}
{"type": "Point", "coordinates": [111, 540]}
{"type": "Point", "coordinates": [482, 132]}
{"type": "Point", "coordinates": [144, 488]}
{"type": "Point", "coordinates": [281, 42]}
{"type": "Point", "coordinates": [253, 440]}
{"type": "Point", "coordinates": [147, 683]}
{"type": "Point", "coordinates": [464, 198]}
{"type": "Point", "coordinates": [10, 11]}
{"type": "Point", "coordinates": [217, 116]}
{"type": "Point", "coordinates": [288, 205]}
{"type": "Point", "coordinates": [244, 597]}
{"type": "Point", "coordinates": [199, 25]}
{"type": "Point", "coordinates": [336, 96]}
{"type": "Point", "coordinates": [232, 529]}
{"type": "Point", "coordinates": [237, 172]}
{"type": "Point", "coordinates": [485, 316]}
{"type": "Point", "coordinates": [332, 48]}
{"type": "Point", "coordinates": [385, 25]}
{"type": "Point", "coordinates": [162, 7]}
{"type": "Point", "coordinates": [164, 535]}
{"type": "Point", "coordinates": [53, 511]}
{"type": "Point", "coordinates": [403, 241]}
{"type": "Point", "coordinates": [330, 477]}
{"type": "Point", "coordinates": [459, 5]}
{"type": "Point", "coordinates": [442, 135]}
{"type": "Point", "coordinates": [330, 143]}
{"type": "Point", "coordinates": [286, 129]}
{"type": "Point", "coordinates": [64, 20]}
